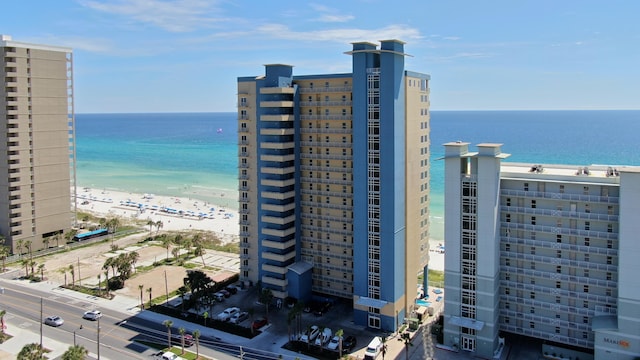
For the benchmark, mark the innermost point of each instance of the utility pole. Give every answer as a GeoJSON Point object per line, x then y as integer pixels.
{"type": "Point", "coordinates": [98, 342]}
{"type": "Point", "coordinates": [41, 314]}
{"type": "Point", "coordinates": [79, 277]}
{"type": "Point", "coordinates": [166, 286]}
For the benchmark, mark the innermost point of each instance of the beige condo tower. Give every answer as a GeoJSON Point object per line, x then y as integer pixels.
{"type": "Point", "coordinates": [37, 157]}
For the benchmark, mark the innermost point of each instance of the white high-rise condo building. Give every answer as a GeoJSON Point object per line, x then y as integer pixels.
{"type": "Point", "coordinates": [543, 251]}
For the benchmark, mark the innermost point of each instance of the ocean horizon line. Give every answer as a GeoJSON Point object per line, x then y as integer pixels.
{"type": "Point", "coordinates": [445, 110]}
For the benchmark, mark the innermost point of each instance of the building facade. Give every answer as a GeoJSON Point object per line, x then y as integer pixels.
{"type": "Point", "coordinates": [334, 183]}
{"type": "Point", "coordinates": [37, 157]}
{"type": "Point", "coordinates": [543, 251]}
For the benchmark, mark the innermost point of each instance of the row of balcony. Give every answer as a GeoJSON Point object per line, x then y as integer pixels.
{"type": "Point", "coordinates": [337, 194]}
{"type": "Point", "coordinates": [325, 130]}
{"type": "Point", "coordinates": [573, 279]}
{"type": "Point", "coordinates": [572, 310]}
{"type": "Point", "coordinates": [326, 157]}
{"type": "Point", "coordinates": [320, 168]}
{"type": "Point", "coordinates": [559, 246]}
{"type": "Point", "coordinates": [308, 90]}
{"type": "Point", "coordinates": [559, 213]}
{"type": "Point", "coordinates": [545, 320]}
{"type": "Point", "coordinates": [323, 205]}
{"type": "Point", "coordinates": [338, 219]}
{"type": "Point", "coordinates": [325, 242]}
{"type": "Point", "coordinates": [560, 196]}
{"type": "Point", "coordinates": [571, 340]}
{"type": "Point", "coordinates": [325, 144]}
{"type": "Point", "coordinates": [514, 285]}
{"type": "Point", "coordinates": [326, 103]}
{"type": "Point", "coordinates": [560, 230]}
{"type": "Point", "coordinates": [324, 255]}
{"type": "Point", "coordinates": [326, 117]}
{"type": "Point", "coordinates": [279, 232]}
{"type": "Point", "coordinates": [559, 261]}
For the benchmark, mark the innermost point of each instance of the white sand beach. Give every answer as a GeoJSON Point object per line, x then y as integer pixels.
{"type": "Point", "coordinates": [178, 213]}
{"type": "Point", "coordinates": [174, 212]}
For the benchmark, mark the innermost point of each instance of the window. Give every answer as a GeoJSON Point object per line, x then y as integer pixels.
{"type": "Point", "coordinates": [587, 208]}
{"type": "Point", "coordinates": [558, 285]}
{"type": "Point", "coordinates": [585, 190]}
{"type": "Point", "coordinates": [533, 220]}
{"type": "Point", "coordinates": [561, 190]}
{"type": "Point", "coordinates": [609, 260]}
{"type": "Point", "coordinates": [587, 241]}
{"type": "Point", "coordinates": [610, 228]}
{"type": "Point", "coordinates": [508, 201]}
{"type": "Point", "coordinates": [507, 217]}
{"type": "Point", "coordinates": [585, 288]}
{"type": "Point", "coordinates": [526, 186]}
{"type": "Point", "coordinates": [533, 204]}
{"type": "Point", "coordinates": [558, 238]}
{"type": "Point", "coordinates": [609, 276]}
{"type": "Point", "coordinates": [587, 225]}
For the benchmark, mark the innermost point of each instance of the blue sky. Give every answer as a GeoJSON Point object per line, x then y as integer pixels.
{"type": "Point", "coordinates": [185, 55]}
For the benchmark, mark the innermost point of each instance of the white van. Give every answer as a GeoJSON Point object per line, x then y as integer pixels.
{"type": "Point", "coordinates": [373, 349]}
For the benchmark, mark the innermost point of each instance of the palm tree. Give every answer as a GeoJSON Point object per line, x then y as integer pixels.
{"type": "Point", "coordinates": [196, 335]}
{"type": "Point", "coordinates": [73, 275]}
{"type": "Point", "coordinates": [339, 334]}
{"type": "Point", "coordinates": [25, 263]}
{"type": "Point", "coordinates": [182, 291]}
{"type": "Point", "coordinates": [406, 338]}
{"type": "Point", "coordinates": [45, 242]}
{"type": "Point", "coordinates": [159, 225]}
{"type": "Point", "coordinates": [28, 244]}
{"type": "Point", "coordinates": [175, 252]}
{"type": "Point", "coordinates": [133, 258]}
{"type": "Point", "coordinates": [75, 352]}
{"type": "Point", "coordinates": [99, 283]}
{"type": "Point", "coordinates": [199, 251]}
{"type": "Point", "coordinates": [64, 272]}
{"type": "Point", "coordinates": [2, 314]}
{"type": "Point", "coordinates": [106, 285]}
{"type": "Point", "coordinates": [31, 351]}
{"type": "Point", "coordinates": [265, 297]}
{"type": "Point", "coordinates": [182, 331]}
{"type": "Point", "coordinates": [151, 223]}
{"type": "Point", "coordinates": [141, 287]}
{"type": "Point", "coordinates": [168, 324]}
{"type": "Point", "coordinates": [41, 270]}
{"type": "Point", "coordinates": [149, 291]}
{"type": "Point", "coordinates": [205, 315]}
{"type": "Point", "coordinates": [19, 246]}
{"type": "Point", "coordinates": [113, 225]}
{"type": "Point", "coordinates": [166, 243]}
{"type": "Point", "coordinates": [32, 264]}
{"type": "Point", "coordinates": [4, 253]}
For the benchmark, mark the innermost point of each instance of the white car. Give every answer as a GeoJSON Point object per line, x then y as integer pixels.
{"type": "Point", "coordinates": [334, 343]}
{"type": "Point", "coordinates": [324, 337]}
{"type": "Point", "coordinates": [228, 313]}
{"type": "Point", "coordinates": [92, 315]}
{"type": "Point", "coordinates": [311, 334]}
{"type": "Point", "coordinates": [54, 321]}
{"type": "Point", "coordinates": [239, 317]}
{"type": "Point", "coordinates": [170, 356]}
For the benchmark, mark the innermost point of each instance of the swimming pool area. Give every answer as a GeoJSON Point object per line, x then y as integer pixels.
{"type": "Point", "coordinates": [421, 302]}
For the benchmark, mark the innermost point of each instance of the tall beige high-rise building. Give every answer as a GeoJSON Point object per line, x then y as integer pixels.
{"type": "Point", "coordinates": [37, 149]}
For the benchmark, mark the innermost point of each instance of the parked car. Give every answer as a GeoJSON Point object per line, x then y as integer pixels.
{"type": "Point", "coordinates": [228, 313]}
{"type": "Point", "coordinates": [232, 289]}
{"type": "Point", "coordinates": [225, 293]}
{"type": "Point", "coordinates": [321, 309]}
{"type": "Point", "coordinates": [92, 315]}
{"type": "Point", "coordinates": [177, 339]}
{"type": "Point", "coordinates": [349, 343]}
{"type": "Point", "coordinates": [54, 321]}
{"type": "Point", "coordinates": [334, 343]}
{"type": "Point", "coordinates": [311, 334]}
{"type": "Point", "coordinates": [239, 317]}
{"type": "Point", "coordinates": [218, 296]}
{"type": "Point", "coordinates": [170, 356]}
{"type": "Point", "coordinates": [323, 337]}
{"type": "Point", "coordinates": [258, 323]}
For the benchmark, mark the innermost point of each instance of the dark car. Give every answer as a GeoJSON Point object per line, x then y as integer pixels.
{"type": "Point", "coordinates": [177, 339]}
{"type": "Point", "coordinates": [225, 293]}
{"type": "Point", "coordinates": [232, 289]}
{"type": "Point", "coordinates": [321, 309]}
{"type": "Point", "coordinates": [349, 343]}
{"type": "Point", "coordinates": [258, 323]}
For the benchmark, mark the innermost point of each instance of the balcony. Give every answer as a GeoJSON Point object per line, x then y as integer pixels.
{"type": "Point", "coordinates": [277, 183]}
{"type": "Point", "coordinates": [277, 145]}
{"type": "Point", "coordinates": [277, 90]}
{"type": "Point", "coordinates": [325, 103]}
{"type": "Point", "coordinates": [279, 245]}
{"type": "Point", "coordinates": [277, 118]}
{"type": "Point", "coordinates": [274, 281]}
{"type": "Point", "coordinates": [277, 132]}
{"type": "Point", "coordinates": [278, 195]}
{"type": "Point", "coordinates": [274, 269]}
{"type": "Point", "coordinates": [278, 158]}
{"type": "Point", "coordinates": [278, 208]}
{"type": "Point", "coordinates": [278, 103]}
{"type": "Point", "coordinates": [278, 220]}
{"type": "Point", "coordinates": [279, 233]}
{"type": "Point", "coordinates": [325, 89]}
{"type": "Point", "coordinates": [277, 170]}
{"type": "Point", "coordinates": [279, 257]}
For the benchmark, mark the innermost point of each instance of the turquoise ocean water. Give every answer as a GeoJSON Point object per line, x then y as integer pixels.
{"type": "Point", "coordinates": [195, 154]}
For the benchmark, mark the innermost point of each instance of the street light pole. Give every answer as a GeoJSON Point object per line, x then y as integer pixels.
{"type": "Point", "coordinates": [98, 342]}
{"type": "Point", "coordinates": [41, 323]}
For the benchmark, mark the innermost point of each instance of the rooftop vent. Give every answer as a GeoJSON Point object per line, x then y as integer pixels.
{"type": "Point", "coordinates": [536, 169]}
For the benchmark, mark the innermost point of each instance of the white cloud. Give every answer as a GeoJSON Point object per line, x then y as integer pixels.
{"type": "Point", "coordinates": [451, 38]}
{"type": "Point", "coordinates": [344, 35]}
{"type": "Point", "coordinates": [335, 18]}
{"type": "Point", "coordinates": [171, 15]}
{"type": "Point", "coordinates": [330, 15]}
